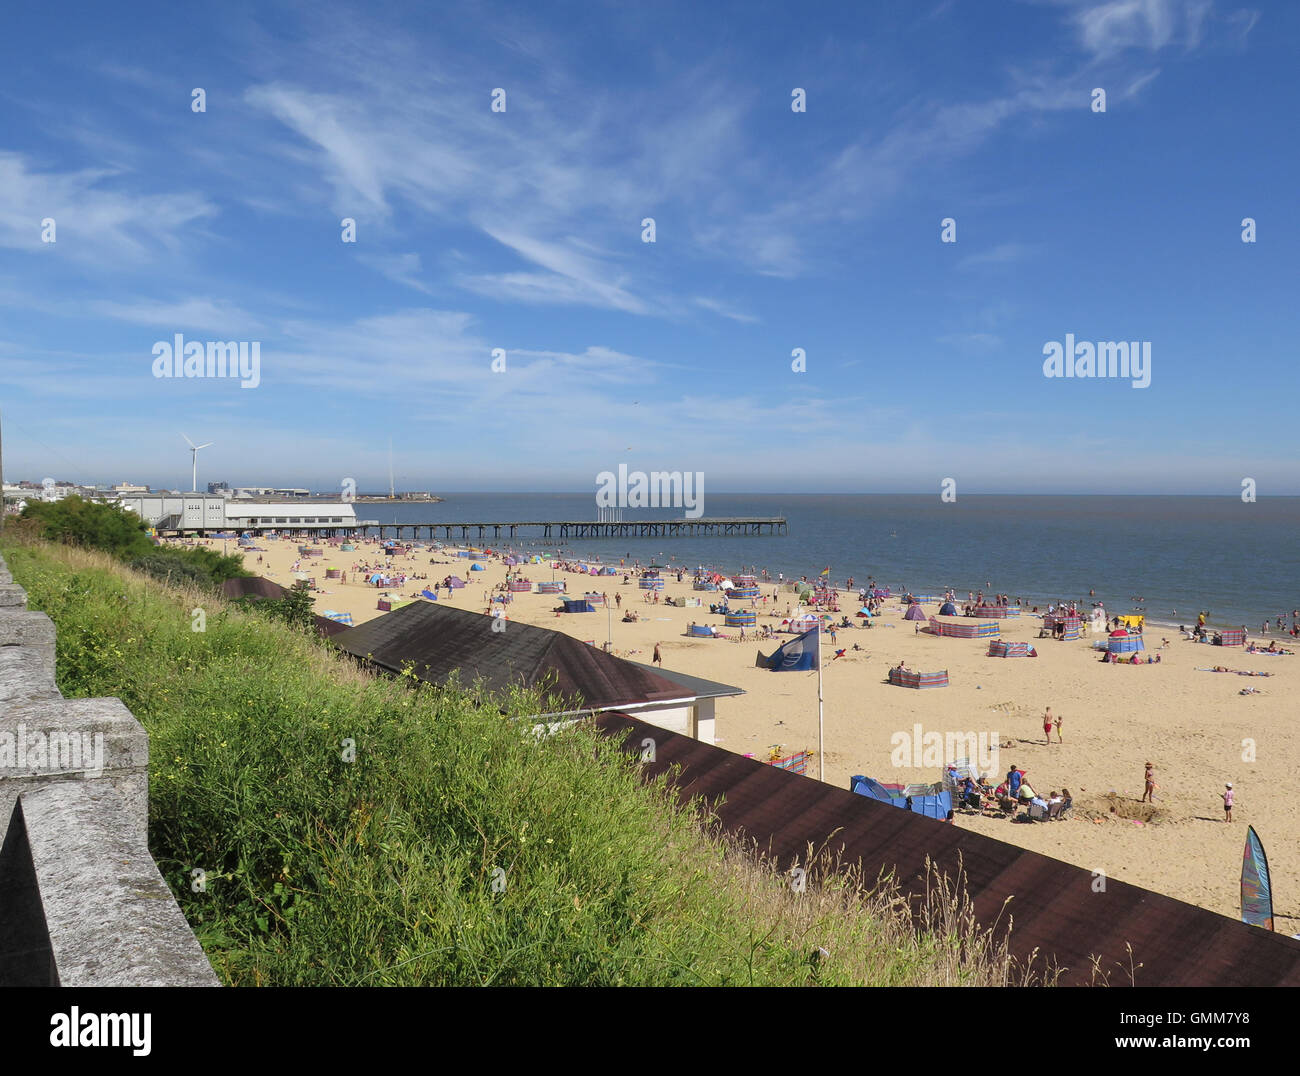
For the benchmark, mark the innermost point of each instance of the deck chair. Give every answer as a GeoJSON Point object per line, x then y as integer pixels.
{"type": "Point", "coordinates": [1054, 811]}
{"type": "Point", "coordinates": [1037, 813]}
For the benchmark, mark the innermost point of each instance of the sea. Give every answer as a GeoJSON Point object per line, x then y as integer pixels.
{"type": "Point", "coordinates": [1169, 556]}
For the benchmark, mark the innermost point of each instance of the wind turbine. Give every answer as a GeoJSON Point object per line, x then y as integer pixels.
{"type": "Point", "coordinates": [194, 459]}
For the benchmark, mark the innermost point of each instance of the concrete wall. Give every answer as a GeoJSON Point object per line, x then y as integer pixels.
{"type": "Point", "coordinates": [82, 902]}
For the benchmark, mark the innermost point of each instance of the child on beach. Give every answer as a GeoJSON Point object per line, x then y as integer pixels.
{"type": "Point", "coordinates": [1227, 802]}
{"type": "Point", "coordinates": [1058, 729]}
{"type": "Point", "coordinates": [1150, 780]}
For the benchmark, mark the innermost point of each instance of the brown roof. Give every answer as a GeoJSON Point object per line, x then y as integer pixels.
{"type": "Point", "coordinates": [440, 640]}
{"type": "Point", "coordinates": [257, 586]}
{"type": "Point", "coordinates": [1054, 907]}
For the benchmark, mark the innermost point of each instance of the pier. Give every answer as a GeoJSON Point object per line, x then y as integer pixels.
{"type": "Point", "coordinates": [554, 529]}
{"type": "Point", "coordinates": [578, 528]}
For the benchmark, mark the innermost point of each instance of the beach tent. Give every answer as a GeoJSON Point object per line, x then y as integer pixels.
{"type": "Point", "coordinates": [932, 801]}
{"type": "Point", "coordinates": [701, 631]}
{"type": "Point", "coordinates": [914, 612]}
{"type": "Point", "coordinates": [864, 612]}
{"type": "Point", "coordinates": [427, 593]}
{"type": "Point", "coordinates": [1121, 642]}
{"type": "Point", "coordinates": [947, 609]}
{"type": "Point", "coordinates": [577, 605]}
{"type": "Point", "coordinates": [457, 582]}
{"type": "Point", "coordinates": [477, 568]}
{"type": "Point", "coordinates": [806, 622]}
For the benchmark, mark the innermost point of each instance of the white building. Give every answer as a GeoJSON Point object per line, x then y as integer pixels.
{"type": "Point", "coordinates": [178, 511]}
{"type": "Point", "coordinates": [289, 515]}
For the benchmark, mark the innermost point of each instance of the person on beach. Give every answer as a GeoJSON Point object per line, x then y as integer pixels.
{"type": "Point", "coordinates": [1057, 722]}
{"type": "Point", "coordinates": [1227, 802]}
{"type": "Point", "coordinates": [1047, 724]}
{"type": "Point", "coordinates": [1149, 779]}
{"type": "Point", "coordinates": [658, 658]}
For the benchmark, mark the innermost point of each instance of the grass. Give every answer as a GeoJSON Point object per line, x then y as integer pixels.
{"type": "Point", "coordinates": [453, 849]}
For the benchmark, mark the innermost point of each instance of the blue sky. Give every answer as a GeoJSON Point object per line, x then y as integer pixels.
{"type": "Point", "coordinates": [775, 230]}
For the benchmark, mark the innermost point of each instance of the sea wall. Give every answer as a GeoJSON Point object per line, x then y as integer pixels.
{"type": "Point", "coordinates": [82, 902]}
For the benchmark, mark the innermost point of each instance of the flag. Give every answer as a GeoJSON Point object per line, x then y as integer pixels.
{"type": "Point", "coordinates": [799, 654]}
{"type": "Point", "coordinates": [826, 570]}
{"type": "Point", "coordinates": [1256, 892]}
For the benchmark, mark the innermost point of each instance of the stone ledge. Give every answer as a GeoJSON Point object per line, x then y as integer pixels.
{"type": "Point", "coordinates": [26, 675]}
{"type": "Point", "coordinates": [12, 596]}
{"type": "Point", "coordinates": [26, 627]}
{"type": "Point", "coordinates": [104, 723]}
{"type": "Point", "coordinates": [112, 919]}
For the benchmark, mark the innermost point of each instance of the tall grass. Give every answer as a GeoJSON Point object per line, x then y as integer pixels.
{"type": "Point", "coordinates": [455, 849]}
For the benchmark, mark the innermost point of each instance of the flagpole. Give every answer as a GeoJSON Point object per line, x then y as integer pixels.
{"type": "Point", "coordinates": [821, 754]}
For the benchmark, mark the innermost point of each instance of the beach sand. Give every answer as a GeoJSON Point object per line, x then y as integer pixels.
{"type": "Point", "coordinates": [1194, 726]}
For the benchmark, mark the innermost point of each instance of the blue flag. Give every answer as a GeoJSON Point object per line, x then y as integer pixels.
{"type": "Point", "coordinates": [798, 655]}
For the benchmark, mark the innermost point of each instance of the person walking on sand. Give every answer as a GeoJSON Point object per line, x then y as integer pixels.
{"type": "Point", "coordinates": [1057, 722]}
{"type": "Point", "coordinates": [1149, 779]}
{"type": "Point", "coordinates": [1227, 802]}
{"type": "Point", "coordinates": [658, 658]}
{"type": "Point", "coordinates": [1047, 724]}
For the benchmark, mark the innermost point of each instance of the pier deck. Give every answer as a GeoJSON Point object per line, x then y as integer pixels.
{"type": "Point", "coordinates": [562, 528]}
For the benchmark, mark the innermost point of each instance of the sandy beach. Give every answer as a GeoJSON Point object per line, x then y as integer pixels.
{"type": "Point", "coordinates": [1194, 726]}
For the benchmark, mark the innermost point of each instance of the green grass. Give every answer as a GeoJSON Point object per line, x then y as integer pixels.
{"type": "Point", "coordinates": [380, 871]}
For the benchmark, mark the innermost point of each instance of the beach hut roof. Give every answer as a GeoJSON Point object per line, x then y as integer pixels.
{"type": "Point", "coordinates": [438, 640]}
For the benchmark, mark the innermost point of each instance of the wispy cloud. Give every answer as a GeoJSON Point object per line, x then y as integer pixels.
{"type": "Point", "coordinates": [1002, 254]}
{"type": "Point", "coordinates": [400, 268]}
{"type": "Point", "coordinates": [724, 311]}
{"type": "Point", "coordinates": [96, 221]}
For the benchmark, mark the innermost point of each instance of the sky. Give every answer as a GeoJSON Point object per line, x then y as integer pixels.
{"type": "Point", "coordinates": [783, 220]}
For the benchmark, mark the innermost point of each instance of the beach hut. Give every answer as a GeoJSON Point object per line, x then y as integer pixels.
{"type": "Point", "coordinates": [1121, 642]}
{"type": "Point", "coordinates": [577, 605]}
{"type": "Point", "coordinates": [739, 618]}
{"type": "Point", "coordinates": [918, 679]}
{"type": "Point", "coordinates": [999, 648]}
{"type": "Point", "coordinates": [1229, 637]}
{"type": "Point", "coordinates": [914, 612]}
{"type": "Point", "coordinates": [555, 586]}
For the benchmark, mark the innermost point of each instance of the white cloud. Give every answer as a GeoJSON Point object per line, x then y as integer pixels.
{"type": "Point", "coordinates": [722, 310]}
{"type": "Point", "coordinates": [95, 221]}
